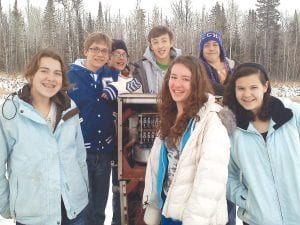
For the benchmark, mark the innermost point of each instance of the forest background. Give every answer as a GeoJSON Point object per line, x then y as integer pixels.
{"type": "Point", "coordinates": [262, 35]}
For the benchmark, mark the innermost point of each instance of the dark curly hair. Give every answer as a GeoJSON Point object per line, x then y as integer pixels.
{"type": "Point", "coordinates": [229, 98]}
{"type": "Point", "coordinates": [169, 127]}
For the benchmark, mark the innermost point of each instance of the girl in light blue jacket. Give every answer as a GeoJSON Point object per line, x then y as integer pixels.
{"type": "Point", "coordinates": [42, 150]}
{"type": "Point", "coordinates": [264, 169]}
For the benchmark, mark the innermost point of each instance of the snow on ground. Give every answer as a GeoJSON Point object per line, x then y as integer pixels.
{"type": "Point", "coordinates": [9, 84]}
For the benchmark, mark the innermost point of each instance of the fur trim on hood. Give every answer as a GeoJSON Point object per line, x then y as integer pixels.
{"type": "Point", "coordinates": [228, 119]}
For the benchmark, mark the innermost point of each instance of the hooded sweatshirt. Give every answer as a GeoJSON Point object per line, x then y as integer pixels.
{"type": "Point", "coordinates": [147, 71]}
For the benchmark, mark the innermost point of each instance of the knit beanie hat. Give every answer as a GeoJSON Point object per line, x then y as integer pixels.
{"type": "Point", "coordinates": [211, 36]}
{"type": "Point", "coordinates": [118, 44]}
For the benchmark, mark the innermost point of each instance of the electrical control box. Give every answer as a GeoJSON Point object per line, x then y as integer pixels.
{"type": "Point", "coordinates": [136, 129]}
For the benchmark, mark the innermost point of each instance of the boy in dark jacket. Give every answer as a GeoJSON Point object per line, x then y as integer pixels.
{"type": "Point", "coordinates": [88, 78]}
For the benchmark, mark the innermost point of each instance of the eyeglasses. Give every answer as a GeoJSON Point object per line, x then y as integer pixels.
{"type": "Point", "coordinates": [104, 51]}
{"type": "Point", "coordinates": [119, 55]}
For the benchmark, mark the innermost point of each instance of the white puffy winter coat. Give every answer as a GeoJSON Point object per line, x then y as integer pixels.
{"type": "Point", "coordinates": [197, 195]}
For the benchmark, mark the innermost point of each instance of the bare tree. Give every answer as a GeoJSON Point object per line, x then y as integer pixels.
{"type": "Point", "coordinates": [182, 24]}
{"type": "Point", "coordinates": [263, 35]}
{"type": "Point", "coordinates": [4, 39]}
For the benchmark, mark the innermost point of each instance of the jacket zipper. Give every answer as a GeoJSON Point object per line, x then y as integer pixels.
{"type": "Point", "coordinates": [273, 177]}
{"type": "Point", "coordinates": [15, 200]}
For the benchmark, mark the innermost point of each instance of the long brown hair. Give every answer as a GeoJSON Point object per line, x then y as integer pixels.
{"type": "Point", "coordinates": [169, 127]}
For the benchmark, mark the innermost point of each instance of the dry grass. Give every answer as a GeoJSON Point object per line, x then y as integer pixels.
{"type": "Point", "coordinates": [286, 83]}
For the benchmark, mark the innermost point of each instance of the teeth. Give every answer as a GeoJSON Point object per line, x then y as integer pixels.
{"type": "Point", "coordinates": [49, 85]}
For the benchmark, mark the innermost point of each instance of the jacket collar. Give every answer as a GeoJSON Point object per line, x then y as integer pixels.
{"type": "Point", "coordinates": [61, 99]}
{"type": "Point", "coordinates": [278, 113]}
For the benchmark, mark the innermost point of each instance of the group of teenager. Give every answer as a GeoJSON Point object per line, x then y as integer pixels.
{"type": "Point", "coordinates": [222, 140]}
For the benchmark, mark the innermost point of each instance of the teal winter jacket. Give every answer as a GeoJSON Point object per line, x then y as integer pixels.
{"type": "Point", "coordinates": [43, 167]}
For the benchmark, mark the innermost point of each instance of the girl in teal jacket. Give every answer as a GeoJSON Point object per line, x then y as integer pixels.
{"type": "Point", "coordinates": [264, 168]}
{"type": "Point", "coordinates": [42, 146]}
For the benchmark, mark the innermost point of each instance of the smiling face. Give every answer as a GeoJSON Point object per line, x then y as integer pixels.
{"type": "Point", "coordinates": [96, 56]}
{"type": "Point", "coordinates": [161, 46]}
{"type": "Point", "coordinates": [250, 92]}
{"type": "Point", "coordinates": [180, 84]}
{"type": "Point", "coordinates": [211, 52]}
{"type": "Point", "coordinates": [47, 80]}
{"type": "Point", "coordinates": [118, 59]}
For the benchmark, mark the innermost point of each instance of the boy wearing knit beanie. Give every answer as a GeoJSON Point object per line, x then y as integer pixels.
{"type": "Point", "coordinates": [118, 61]}
{"type": "Point", "coordinates": [119, 55]}
{"type": "Point", "coordinates": [219, 69]}
{"type": "Point", "coordinates": [218, 66]}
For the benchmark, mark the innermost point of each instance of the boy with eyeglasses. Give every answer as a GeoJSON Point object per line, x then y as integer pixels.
{"type": "Point", "coordinates": [151, 69]}
{"type": "Point", "coordinates": [119, 61]}
{"type": "Point", "coordinates": [88, 78]}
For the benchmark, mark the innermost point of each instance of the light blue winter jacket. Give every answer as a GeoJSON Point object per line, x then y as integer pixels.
{"type": "Point", "coordinates": [42, 167]}
{"type": "Point", "coordinates": [264, 176]}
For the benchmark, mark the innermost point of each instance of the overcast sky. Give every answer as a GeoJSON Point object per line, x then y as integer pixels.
{"type": "Point", "coordinates": [127, 6]}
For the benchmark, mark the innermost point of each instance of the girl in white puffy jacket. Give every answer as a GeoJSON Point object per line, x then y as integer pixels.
{"type": "Point", "coordinates": [187, 169]}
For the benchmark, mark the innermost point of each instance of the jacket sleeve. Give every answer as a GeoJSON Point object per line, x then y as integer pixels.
{"type": "Point", "coordinates": [139, 73]}
{"type": "Point", "coordinates": [4, 188]}
{"type": "Point", "coordinates": [209, 187]}
{"type": "Point", "coordinates": [122, 86]}
{"type": "Point", "coordinates": [236, 191]}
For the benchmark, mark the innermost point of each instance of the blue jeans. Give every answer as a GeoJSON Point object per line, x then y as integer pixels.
{"type": "Point", "coordinates": [116, 220]}
{"type": "Point", "coordinates": [99, 168]}
{"type": "Point", "coordinates": [168, 221]}
{"type": "Point", "coordinates": [81, 219]}
{"type": "Point", "coordinates": [231, 213]}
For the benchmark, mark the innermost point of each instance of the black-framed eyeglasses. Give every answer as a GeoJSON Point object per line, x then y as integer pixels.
{"type": "Point", "coordinates": [119, 55]}
{"type": "Point", "coordinates": [104, 51]}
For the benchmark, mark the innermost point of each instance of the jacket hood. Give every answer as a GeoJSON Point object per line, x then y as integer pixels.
{"type": "Point", "coordinates": [228, 119]}
{"type": "Point", "coordinates": [226, 116]}
{"type": "Point", "coordinates": [80, 62]}
{"type": "Point", "coordinates": [61, 99]}
{"type": "Point", "coordinates": [79, 65]}
{"type": "Point", "coordinates": [105, 71]}
{"type": "Point", "coordinates": [65, 110]}
{"type": "Point", "coordinates": [149, 55]}
{"type": "Point", "coordinates": [276, 109]}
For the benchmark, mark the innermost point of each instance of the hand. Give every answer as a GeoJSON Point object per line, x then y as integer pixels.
{"type": "Point", "coordinates": [103, 95]}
